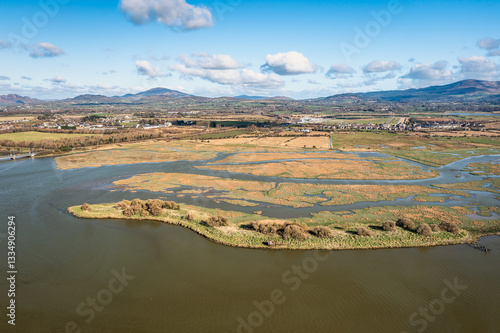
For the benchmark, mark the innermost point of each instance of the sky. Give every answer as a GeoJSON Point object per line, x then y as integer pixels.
{"type": "Point", "coordinates": [301, 49]}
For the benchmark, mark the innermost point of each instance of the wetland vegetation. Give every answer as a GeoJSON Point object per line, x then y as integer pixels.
{"type": "Point", "coordinates": [429, 218]}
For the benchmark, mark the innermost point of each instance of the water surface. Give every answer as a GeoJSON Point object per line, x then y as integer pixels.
{"type": "Point", "coordinates": [185, 283]}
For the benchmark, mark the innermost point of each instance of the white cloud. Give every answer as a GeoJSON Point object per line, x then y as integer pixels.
{"type": "Point", "coordinates": [379, 66]}
{"type": "Point", "coordinates": [43, 50]}
{"type": "Point", "coordinates": [243, 77]}
{"type": "Point", "coordinates": [340, 71]}
{"type": "Point", "coordinates": [147, 69]}
{"type": "Point", "coordinates": [429, 72]}
{"type": "Point", "coordinates": [421, 75]}
{"type": "Point", "coordinates": [488, 43]}
{"type": "Point", "coordinates": [4, 78]}
{"type": "Point", "coordinates": [207, 61]}
{"type": "Point", "coordinates": [290, 63]}
{"type": "Point", "coordinates": [478, 68]}
{"type": "Point", "coordinates": [173, 13]}
{"type": "Point", "coordinates": [224, 70]}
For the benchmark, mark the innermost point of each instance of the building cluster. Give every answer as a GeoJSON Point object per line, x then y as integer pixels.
{"type": "Point", "coordinates": [407, 126]}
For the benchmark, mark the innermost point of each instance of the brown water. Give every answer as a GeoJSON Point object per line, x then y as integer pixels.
{"type": "Point", "coordinates": [185, 283]}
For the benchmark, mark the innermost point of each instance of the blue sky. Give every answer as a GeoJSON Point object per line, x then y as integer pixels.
{"type": "Point", "coordinates": [300, 49]}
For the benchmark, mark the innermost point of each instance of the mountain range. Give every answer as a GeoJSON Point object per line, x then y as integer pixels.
{"type": "Point", "coordinates": [458, 91]}
{"type": "Point", "coordinates": [468, 90]}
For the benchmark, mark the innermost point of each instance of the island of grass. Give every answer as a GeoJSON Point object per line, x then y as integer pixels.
{"type": "Point", "coordinates": [416, 226]}
{"type": "Point", "coordinates": [331, 169]}
{"type": "Point", "coordinates": [243, 192]}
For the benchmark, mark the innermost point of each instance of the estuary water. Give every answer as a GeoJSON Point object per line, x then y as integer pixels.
{"type": "Point", "coordinates": [77, 275]}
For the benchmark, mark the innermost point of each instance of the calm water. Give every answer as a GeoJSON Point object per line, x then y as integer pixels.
{"type": "Point", "coordinates": [181, 282]}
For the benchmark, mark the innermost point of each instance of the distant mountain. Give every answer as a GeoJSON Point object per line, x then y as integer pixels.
{"type": "Point", "coordinates": [463, 91]}
{"type": "Point", "coordinates": [251, 98]}
{"type": "Point", "coordinates": [458, 91]}
{"type": "Point", "coordinates": [164, 92]}
{"type": "Point", "coordinates": [16, 99]}
{"type": "Point", "coordinates": [280, 98]}
{"type": "Point", "coordinates": [90, 99]}
{"type": "Point", "coordinates": [261, 98]}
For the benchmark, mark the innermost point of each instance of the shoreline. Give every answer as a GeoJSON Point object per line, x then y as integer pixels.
{"type": "Point", "coordinates": [254, 240]}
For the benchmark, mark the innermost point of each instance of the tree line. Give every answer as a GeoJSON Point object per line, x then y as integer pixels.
{"type": "Point", "coordinates": [82, 141]}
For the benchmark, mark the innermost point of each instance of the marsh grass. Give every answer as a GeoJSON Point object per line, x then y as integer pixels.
{"type": "Point", "coordinates": [238, 234]}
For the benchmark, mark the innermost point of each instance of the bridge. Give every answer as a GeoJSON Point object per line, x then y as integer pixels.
{"type": "Point", "coordinates": [14, 156]}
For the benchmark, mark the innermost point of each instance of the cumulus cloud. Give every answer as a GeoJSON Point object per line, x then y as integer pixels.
{"type": "Point", "coordinates": [207, 61]}
{"type": "Point", "coordinates": [379, 66]}
{"type": "Point", "coordinates": [173, 13]}
{"type": "Point", "coordinates": [478, 68]}
{"type": "Point", "coordinates": [224, 70]}
{"type": "Point", "coordinates": [243, 77]}
{"type": "Point", "coordinates": [147, 69]}
{"type": "Point", "coordinates": [488, 43]}
{"type": "Point", "coordinates": [43, 50]}
{"type": "Point", "coordinates": [340, 71]}
{"type": "Point", "coordinates": [429, 72]}
{"type": "Point", "coordinates": [290, 63]}
{"type": "Point", "coordinates": [421, 75]}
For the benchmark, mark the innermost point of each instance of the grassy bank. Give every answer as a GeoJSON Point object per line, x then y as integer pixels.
{"type": "Point", "coordinates": [340, 235]}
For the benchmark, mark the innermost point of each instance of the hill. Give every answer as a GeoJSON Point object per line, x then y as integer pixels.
{"type": "Point", "coordinates": [17, 99]}
{"type": "Point", "coordinates": [164, 92]}
{"type": "Point", "coordinates": [458, 91]}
